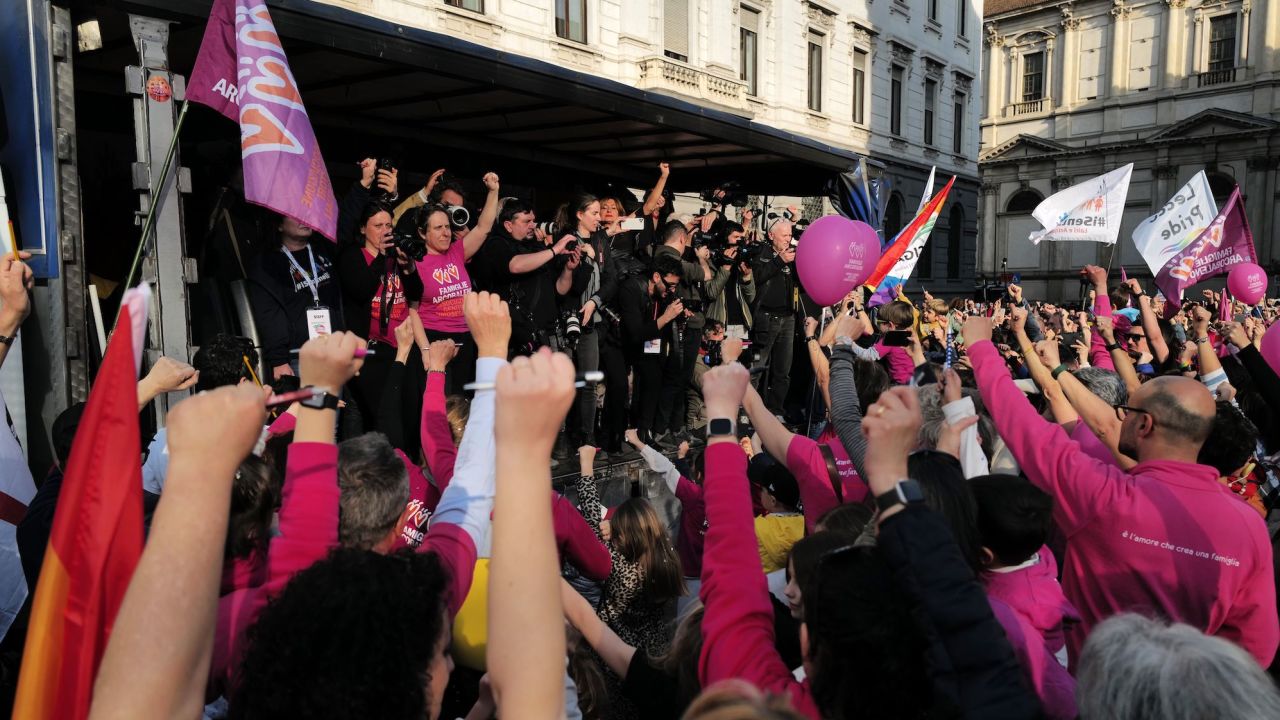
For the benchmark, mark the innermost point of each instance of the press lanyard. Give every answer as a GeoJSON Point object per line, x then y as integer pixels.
{"type": "Point", "coordinates": [311, 281]}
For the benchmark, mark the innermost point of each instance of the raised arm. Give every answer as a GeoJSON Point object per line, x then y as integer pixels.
{"type": "Point", "coordinates": [472, 241]}
{"type": "Point", "coordinates": [526, 646]}
{"type": "Point", "coordinates": [436, 435]}
{"type": "Point", "coordinates": [16, 281]}
{"type": "Point", "coordinates": [1150, 325]}
{"type": "Point", "coordinates": [1094, 411]}
{"type": "Point", "coordinates": [157, 660]}
{"type": "Point", "coordinates": [737, 629]}
{"type": "Point", "coordinates": [846, 415]}
{"type": "Point", "coordinates": [417, 199]}
{"type": "Point", "coordinates": [651, 203]}
{"type": "Point", "coordinates": [615, 652]}
{"type": "Point", "coordinates": [1119, 358]}
{"type": "Point", "coordinates": [1211, 372]}
{"type": "Point", "coordinates": [1063, 413]}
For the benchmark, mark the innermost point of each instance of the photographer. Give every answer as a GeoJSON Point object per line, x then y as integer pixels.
{"type": "Point", "coordinates": [380, 284]}
{"type": "Point", "coordinates": [533, 275]}
{"type": "Point", "coordinates": [709, 356]}
{"type": "Point", "coordinates": [441, 189]}
{"type": "Point", "coordinates": [691, 290]}
{"type": "Point", "coordinates": [732, 288]}
{"type": "Point", "coordinates": [445, 280]}
{"type": "Point", "coordinates": [648, 306]}
{"type": "Point", "coordinates": [773, 325]}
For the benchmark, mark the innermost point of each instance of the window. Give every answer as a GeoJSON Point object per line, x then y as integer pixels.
{"type": "Point", "coordinates": [895, 102]}
{"type": "Point", "coordinates": [962, 18]}
{"type": "Point", "coordinates": [571, 20]}
{"type": "Point", "coordinates": [1024, 202]}
{"type": "Point", "coordinates": [859, 86]}
{"type": "Point", "coordinates": [933, 10]}
{"type": "Point", "coordinates": [749, 36]}
{"type": "Point", "coordinates": [957, 125]}
{"type": "Point", "coordinates": [1033, 77]}
{"type": "Point", "coordinates": [1222, 42]}
{"type": "Point", "coordinates": [675, 29]}
{"type": "Point", "coordinates": [815, 71]}
{"type": "Point", "coordinates": [472, 5]}
{"type": "Point", "coordinates": [955, 241]}
{"type": "Point", "coordinates": [930, 97]}
{"type": "Point", "coordinates": [893, 217]}
{"type": "Point", "coordinates": [924, 263]}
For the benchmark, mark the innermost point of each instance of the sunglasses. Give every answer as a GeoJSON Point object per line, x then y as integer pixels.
{"type": "Point", "coordinates": [1137, 337]}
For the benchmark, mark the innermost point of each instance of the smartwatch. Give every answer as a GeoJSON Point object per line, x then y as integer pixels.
{"type": "Point", "coordinates": [1113, 346]}
{"type": "Point", "coordinates": [320, 401]}
{"type": "Point", "coordinates": [905, 491]}
{"type": "Point", "coordinates": [721, 427]}
{"type": "Point", "coordinates": [1058, 371]}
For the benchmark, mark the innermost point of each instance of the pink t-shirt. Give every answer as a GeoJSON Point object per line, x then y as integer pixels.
{"type": "Point", "coordinates": [399, 307]}
{"type": "Point", "coordinates": [444, 283]}
{"type": "Point", "coordinates": [809, 467]}
{"type": "Point", "coordinates": [901, 366]}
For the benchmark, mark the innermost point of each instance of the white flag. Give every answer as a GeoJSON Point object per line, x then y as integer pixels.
{"type": "Point", "coordinates": [1177, 224]}
{"type": "Point", "coordinates": [928, 190]}
{"type": "Point", "coordinates": [1091, 210]}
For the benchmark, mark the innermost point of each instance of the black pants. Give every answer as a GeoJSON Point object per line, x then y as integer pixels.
{"type": "Point", "coordinates": [613, 422]}
{"type": "Point", "coordinates": [646, 373]}
{"type": "Point", "coordinates": [677, 370]}
{"type": "Point", "coordinates": [773, 336]}
{"type": "Point", "coordinates": [462, 369]}
{"type": "Point", "coordinates": [581, 423]}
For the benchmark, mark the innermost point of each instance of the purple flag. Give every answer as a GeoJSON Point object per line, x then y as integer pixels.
{"type": "Point", "coordinates": [1227, 242]}
{"type": "Point", "coordinates": [283, 169]}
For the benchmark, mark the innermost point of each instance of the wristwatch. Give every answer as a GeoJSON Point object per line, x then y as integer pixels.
{"type": "Point", "coordinates": [905, 491]}
{"type": "Point", "coordinates": [1113, 346]}
{"type": "Point", "coordinates": [1059, 370]}
{"type": "Point", "coordinates": [809, 338]}
{"type": "Point", "coordinates": [320, 401]}
{"type": "Point", "coordinates": [6, 340]}
{"type": "Point", "coordinates": [721, 427]}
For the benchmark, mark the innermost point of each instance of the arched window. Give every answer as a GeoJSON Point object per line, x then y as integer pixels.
{"type": "Point", "coordinates": [1221, 185]}
{"type": "Point", "coordinates": [955, 241]}
{"type": "Point", "coordinates": [893, 217]}
{"type": "Point", "coordinates": [1024, 201]}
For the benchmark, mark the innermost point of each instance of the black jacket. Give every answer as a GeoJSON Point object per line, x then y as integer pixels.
{"type": "Point", "coordinates": [775, 282]}
{"type": "Point", "coordinates": [280, 298]}
{"type": "Point", "coordinates": [639, 315]}
{"type": "Point", "coordinates": [360, 281]}
{"type": "Point", "coordinates": [970, 658]}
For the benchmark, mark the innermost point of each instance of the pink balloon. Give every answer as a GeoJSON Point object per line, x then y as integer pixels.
{"type": "Point", "coordinates": [1271, 347]}
{"type": "Point", "coordinates": [836, 255]}
{"type": "Point", "coordinates": [1247, 283]}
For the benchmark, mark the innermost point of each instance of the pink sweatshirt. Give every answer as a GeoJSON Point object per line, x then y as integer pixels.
{"type": "Point", "coordinates": [1099, 357]}
{"type": "Point", "coordinates": [737, 630]}
{"type": "Point", "coordinates": [901, 366]}
{"type": "Point", "coordinates": [577, 542]}
{"type": "Point", "coordinates": [809, 467]}
{"type": "Point", "coordinates": [693, 526]}
{"type": "Point", "coordinates": [1164, 537]}
{"type": "Point", "coordinates": [308, 530]}
{"type": "Point", "coordinates": [244, 572]}
{"type": "Point", "coordinates": [437, 438]}
{"type": "Point", "coordinates": [1030, 605]}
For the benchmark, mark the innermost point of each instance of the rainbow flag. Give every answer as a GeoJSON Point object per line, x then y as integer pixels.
{"type": "Point", "coordinates": [899, 259]}
{"type": "Point", "coordinates": [96, 539]}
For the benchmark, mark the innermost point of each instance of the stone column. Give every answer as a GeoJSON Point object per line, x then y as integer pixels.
{"type": "Point", "coordinates": [1119, 47]}
{"type": "Point", "coordinates": [1174, 43]}
{"type": "Point", "coordinates": [1051, 73]}
{"type": "Point", "coordinates": [1070, 74]}
{"type": "Point", "coordinates": [995, 58]}
{"type": "Point", "coordinates": [990, 207]}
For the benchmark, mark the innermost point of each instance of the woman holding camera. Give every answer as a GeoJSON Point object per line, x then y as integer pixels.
{"type": "Point", "coordinates": [445, 281]}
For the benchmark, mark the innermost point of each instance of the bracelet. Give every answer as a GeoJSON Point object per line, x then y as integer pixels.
{"type": "Point", "coordinates": [1058, 371]}
{"type": "Point", "coordinates": [442, 372]}
{"type": "Point", "coordinates": [6, 340]}
{"type": "Point", "coordinates": [810, 338]}
{"type": "Point", "coordinates": [1202, 340]}
{"type": "Point", "coordinates": [1028, 351]}
{"type": "Point", "coordinates": [1111, 347]}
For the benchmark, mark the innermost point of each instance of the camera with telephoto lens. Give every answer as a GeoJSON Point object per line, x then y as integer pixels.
{"type": "Point", "coordinates": [608, 314]}
{"type": "Point", "coordinates": [548, 228]}
{"type": "Point", "coordinates": [570, 329]}
{"type": "Point", "coordinates": [414, 247]}
{"type": "Point", "coordinates": [725, 194]}
{"type": "Point", "coordinates": [458, 216]}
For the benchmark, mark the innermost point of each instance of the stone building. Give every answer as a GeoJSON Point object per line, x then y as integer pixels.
{"type": "Point", "coordinates": [894, 80]}
{"type": "Point", "coordinates": [1077, 88]}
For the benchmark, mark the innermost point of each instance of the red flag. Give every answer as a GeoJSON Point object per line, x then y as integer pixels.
{"type": "Point", "coordinates": [96, 540]}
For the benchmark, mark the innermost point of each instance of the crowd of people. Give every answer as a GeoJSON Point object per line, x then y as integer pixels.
{"type": "Point", "coordinates": [1004, 509]}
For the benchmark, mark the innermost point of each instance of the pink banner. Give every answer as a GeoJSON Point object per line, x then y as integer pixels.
{"type": "Point", "coordinates": [283, 169]}
{"type": "Point", "coordinates": [1227, 242]}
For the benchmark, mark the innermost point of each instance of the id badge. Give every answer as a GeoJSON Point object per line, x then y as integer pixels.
{"type": "Point", "coordinates": [736, 332]}
{"type": "Point", "coordinates": [652, 347]}
{"type": "Point", "coordinates": [318, 322]}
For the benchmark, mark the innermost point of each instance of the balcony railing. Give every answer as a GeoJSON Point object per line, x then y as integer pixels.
{"type": "Point", "coordinates": [666, 74]}
{"type": "Point", "coordinates": [1216, 77]}
{"type": "Point", "coordinates": [1028, 107]}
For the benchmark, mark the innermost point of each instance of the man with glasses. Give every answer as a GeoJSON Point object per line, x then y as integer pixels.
{"type": "Point", "coordinates": [1164, 536]}
{"type": "Point", "coordinates": [648, 305]}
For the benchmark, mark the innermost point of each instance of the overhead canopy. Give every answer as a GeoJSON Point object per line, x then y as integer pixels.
{"type": "Point", "coordinates": [362, 77]}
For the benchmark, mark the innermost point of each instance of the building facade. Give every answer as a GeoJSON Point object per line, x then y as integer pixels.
{"type": "Point", "coordinates": [894, 80]}
{"type": "Point", "coordinates": [1077, 88]}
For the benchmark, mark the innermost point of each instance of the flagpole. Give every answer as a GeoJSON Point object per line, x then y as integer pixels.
{"type": "Point", "coordinates": [149, 224]}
